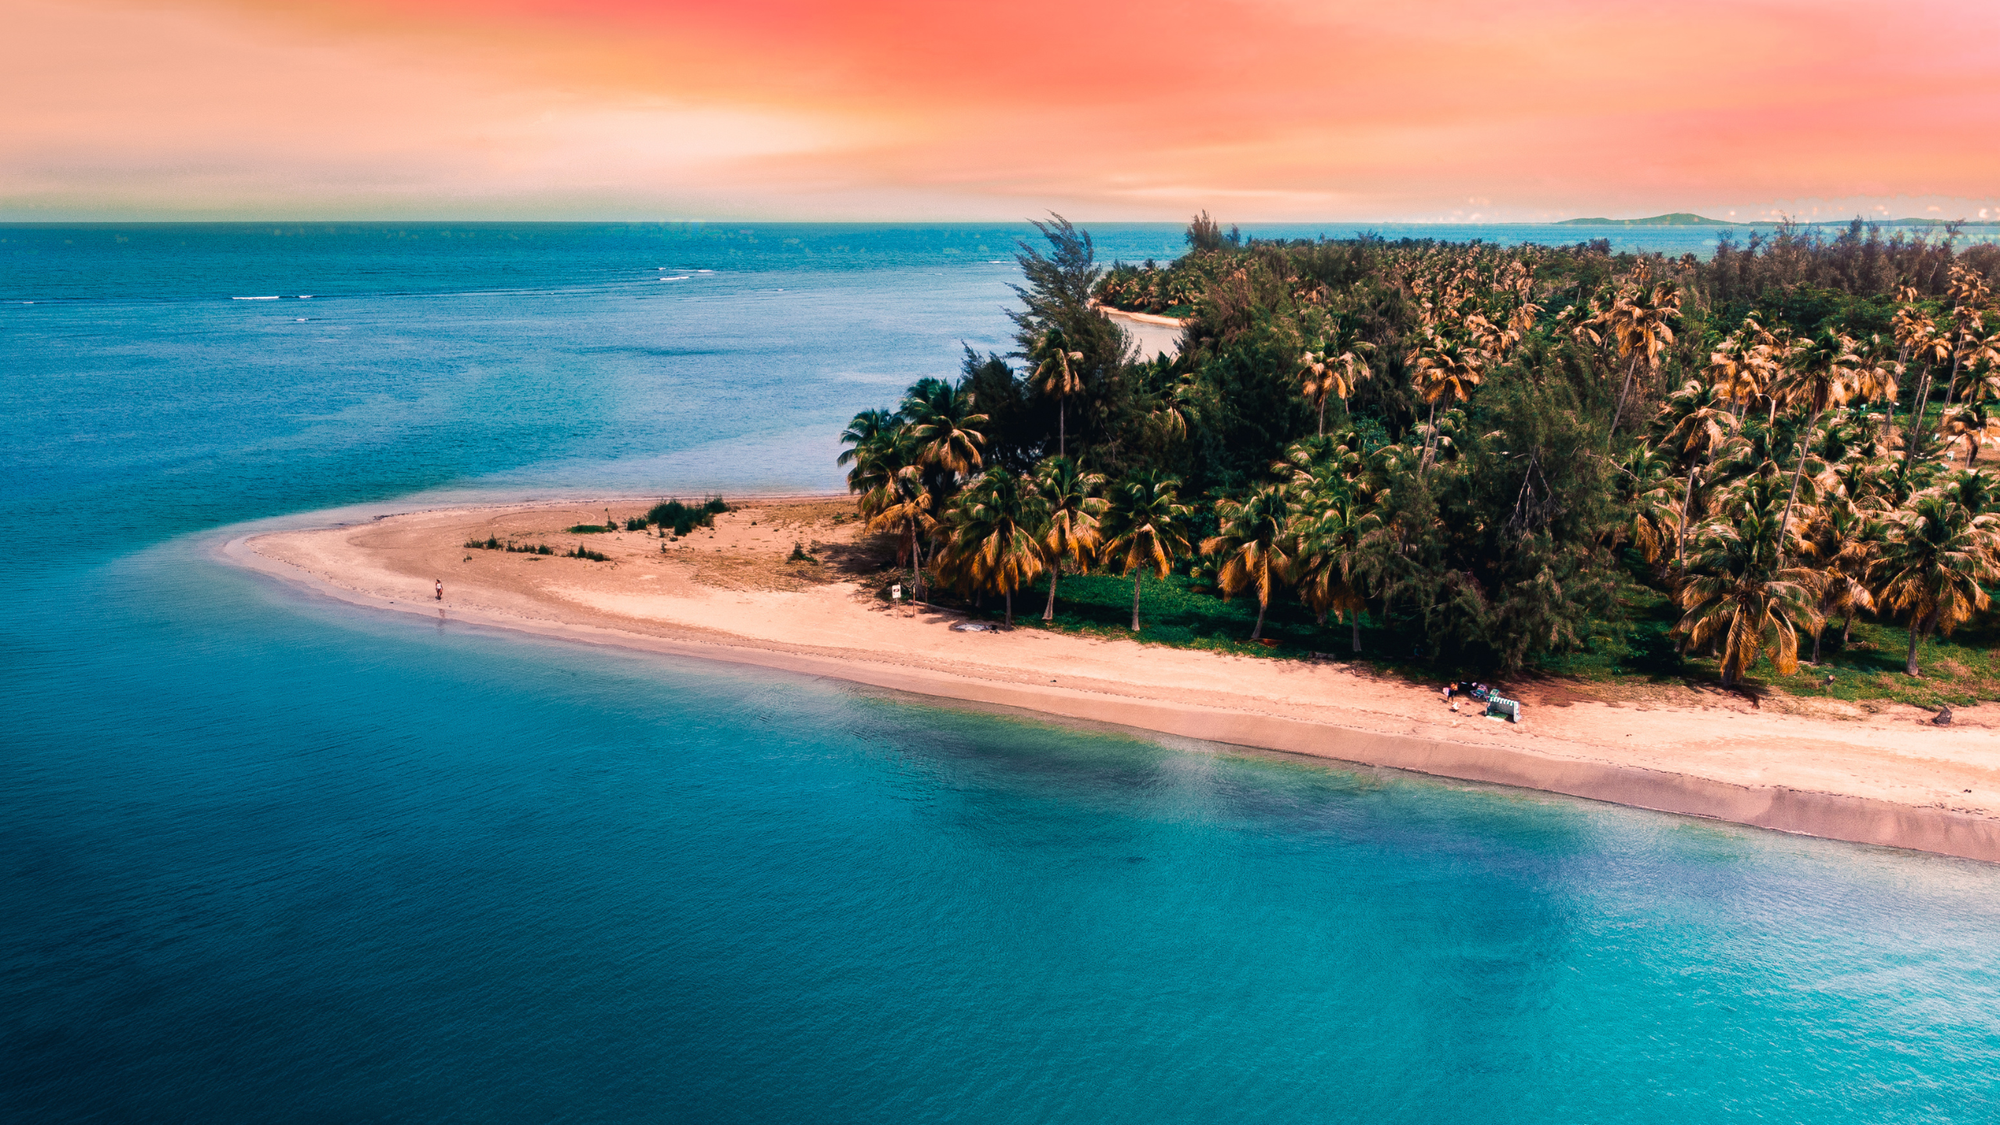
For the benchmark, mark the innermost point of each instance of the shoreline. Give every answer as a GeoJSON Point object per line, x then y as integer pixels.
{"type": "Point", "coordinates": [822, 628]}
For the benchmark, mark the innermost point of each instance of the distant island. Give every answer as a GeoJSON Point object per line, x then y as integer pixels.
{"type": "Point", "coordinates": [1677, 219]}
{"type": "Point", "coordinates": [1688, 219]}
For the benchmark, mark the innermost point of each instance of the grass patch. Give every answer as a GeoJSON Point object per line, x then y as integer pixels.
{"type": "Point", "coordinates": [492, 544]}
{"type": "Point", "coordinates": [1183, 612]}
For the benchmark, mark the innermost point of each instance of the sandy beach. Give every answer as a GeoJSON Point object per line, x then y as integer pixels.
{"type": "Point", "coordinates": [1885, 776]}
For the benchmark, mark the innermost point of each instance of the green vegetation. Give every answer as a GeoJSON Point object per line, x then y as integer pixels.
{"type": "Point", "coordinates": [491, 543]}
{"type": "Point", "coordinates": [1757, 470]}
{"type": "Point", "coordinates": [680, 519]}
{"type": "Point", "coordinates": [582, 552]}
{"type": "Point", "coordinates": [591, 528]}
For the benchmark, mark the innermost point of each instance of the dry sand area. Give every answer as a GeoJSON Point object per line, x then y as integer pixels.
{"type": "Point", "coordinates": [730, 593]}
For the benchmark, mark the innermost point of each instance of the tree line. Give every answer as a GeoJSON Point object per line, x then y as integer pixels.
{"type": "Point", "coordinates": [1479, 449]}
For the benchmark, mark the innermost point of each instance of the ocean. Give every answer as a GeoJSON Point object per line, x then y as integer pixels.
{"type": "Point", "coordinates": [264, 856]}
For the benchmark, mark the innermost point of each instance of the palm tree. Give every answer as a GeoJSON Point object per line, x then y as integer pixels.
{"type": "Point", "coordinates": [1444, 368]}
{"type": "Point", "coordinates": [1329, 526]}
{"type": "Point", "coordinates": [1845, 552]}
{"type": "Point", "coordinates": [993, 547]}
{"type": "Point", "coordinates": [1256, 546]}
{"type": "Point", "coordinates": [942, 423]}
{"type": "Point", "coordinates": [1056, 376]}
{"type": "Point", "coordinates": [1920, 342]}
{"type": "Point", "coordinates": [1817, 379]}
{"type": "Point", "coordinates": [1645, 489]}
{"type": "Point", "coordinates": [1332, 370]}
{"type": "Point", "coordinates": [873, 437]}
{"type": "Point", "coordinates": [1639, 323]}
{"type": "Point", "coordinates": [1746, 365]}
{"type": "Point", "coordinates": [1695, 435]}
{"type": "Point", "coordinates": [1931, 568]}
{"type": "Point", "coordinates": [904, 507]}
{"type": "Point", "coordinates": [1737, 594]}
{"type": "Point", "coordinates": [1075, 511]}
{"type": "Point", "coordinates": [1147, 525]}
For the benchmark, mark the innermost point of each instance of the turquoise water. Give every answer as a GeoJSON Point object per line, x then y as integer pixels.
{"type": "Point", "coordinates": [267, 857]}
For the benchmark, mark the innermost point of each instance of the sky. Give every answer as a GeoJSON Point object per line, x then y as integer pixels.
{"type": "Point", "coordinates": [1105, 110]}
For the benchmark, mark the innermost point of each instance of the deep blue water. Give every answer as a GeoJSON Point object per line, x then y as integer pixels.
{"type": "Point", "coordinates": [265, 857]}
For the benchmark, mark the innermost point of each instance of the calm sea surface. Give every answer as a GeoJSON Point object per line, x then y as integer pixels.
{"type": "Point", "coordinates": [267, 858]}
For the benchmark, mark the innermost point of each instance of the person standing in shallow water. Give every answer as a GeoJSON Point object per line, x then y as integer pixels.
{"type": "Point", "coordinates": [440, 583]}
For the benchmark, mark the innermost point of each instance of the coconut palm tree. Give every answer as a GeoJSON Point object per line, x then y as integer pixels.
{"type": "Point", "coordinates": [1736, 594]}
{"type": "Point", "coordinates": [1056, 374]}
{"type": "Point", "coordinates": [1699, 426]}
{"type": "Point", "coordinates": [1818, 378]}
{"type": "Point", "coordinates": [1146, 529]}
{"type": "Point", "coordinates": [874, 439]}
{"type": "Point", "coordinates": [1328, 527]}
{"type": "Point", "coordinates": [993, 545]}
{"type": "Point", "coordinates": [1331, 370]}
{"type": "Point", "coordinates": [942, 423]}
{"type": "Point", "coordinates": [1075, 518]}
{"type": "Point", "coordinates": [1641, 324]}
{"type": "Point", "coordinates": [1256, 546]}
{"type": "Point", "coordinates": [904, 507]}
{"type": "Point", "coordinates": [1444, 368]}
{"type": "Point", "coordinates": [1931, 568]}
{"type": "Point", "coordinates": [1839, 542]}
{"type": "Point", "coordinates": [1746, 365]}
{"type": "Point", "coordinates": [1646, 488]}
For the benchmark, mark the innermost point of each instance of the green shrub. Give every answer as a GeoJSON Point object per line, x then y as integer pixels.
{"type": "Point", "coordinates": [636, 523]}
{"type": "Point", "coordinates": [591, 528]}
{"type": "Point", "coordinates": [583, 552]}
{"type": "Point", "coordinates": [683, 518]}
{"type": "Point", "coordinates": [488, 544]}
{"type": "Point", "coordinates": [537, 549]}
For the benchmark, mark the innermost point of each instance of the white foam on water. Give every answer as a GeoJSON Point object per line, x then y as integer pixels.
{"type": "Point", "coordinates": [273, 297]}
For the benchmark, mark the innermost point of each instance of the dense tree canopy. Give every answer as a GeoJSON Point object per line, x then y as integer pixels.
{"type": "Point", "coordinates": [1481, 448]}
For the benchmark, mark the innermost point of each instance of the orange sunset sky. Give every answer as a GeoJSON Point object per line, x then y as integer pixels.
{"type": "Point", "coordinates": [1439, 110]}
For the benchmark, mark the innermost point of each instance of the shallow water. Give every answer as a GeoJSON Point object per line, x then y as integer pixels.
{"type": "Point", "coordinates": [265, 856]}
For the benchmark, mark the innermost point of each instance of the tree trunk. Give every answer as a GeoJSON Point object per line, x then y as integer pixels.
{"type": "Point", "coordinates": [1786, 520]}
{"type": "Point", "coordinates": [1916, 634]}
{"type": "Point", "coordinates": [1846, 628]}
{"type": "Point", "coordinates": [1618, 414]}
{"type": "Point", "coordinates": [1049, 613]}
{"type": "Point", "coordinates": [1356, 625]}
{"type": "Point", "coordinates": [1010, 607]}
{"type": "Point", "coordinates": [1681, 535]}
{"type": "Point", "coordinates": [917, 563]}
{"type": "Point", "coordinates": [1322, 415]}
{"type": "Point", "coordinates": [1918, 409]}
{"type": "Point", "coordinates": [1816, 635]}
{"type": "Point", "coordinates": [1138, 576]}
{"type": "Point", "coordinates": [1257, 633]}
{"type": "Point", "coordinates": [1062, 426]}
